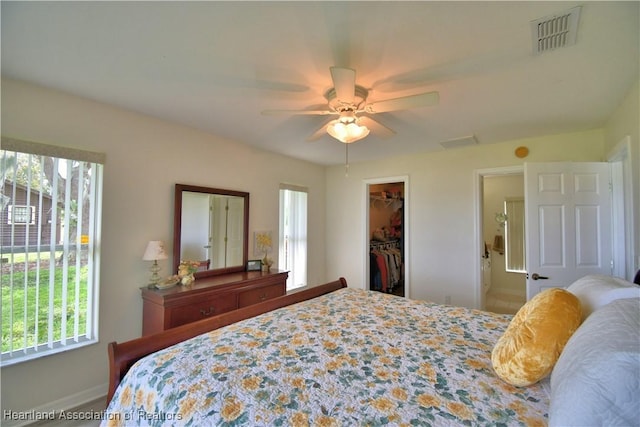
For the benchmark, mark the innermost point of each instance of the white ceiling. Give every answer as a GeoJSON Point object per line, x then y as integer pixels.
{"type": "Point", "coordinates": [216, 65]}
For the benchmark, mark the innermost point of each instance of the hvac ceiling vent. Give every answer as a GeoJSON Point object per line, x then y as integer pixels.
{"type": "Point", "coordinates": [460, 142]}
{"type": "Point", "coordinates": [555, 31]}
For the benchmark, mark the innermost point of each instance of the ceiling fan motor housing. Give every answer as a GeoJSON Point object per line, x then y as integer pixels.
{"type": "Point", "coordinates": [360, 96]}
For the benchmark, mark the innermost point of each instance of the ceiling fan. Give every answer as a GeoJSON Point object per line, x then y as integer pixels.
{"type": "Point", "coordinates": [348, 101]}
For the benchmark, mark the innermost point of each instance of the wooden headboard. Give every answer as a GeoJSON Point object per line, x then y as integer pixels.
{"type": "Point", "coordinates": [123, 355]}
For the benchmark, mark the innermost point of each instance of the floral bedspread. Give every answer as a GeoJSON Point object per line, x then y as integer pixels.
{"type": "Point", "coordinates": [352, 357]}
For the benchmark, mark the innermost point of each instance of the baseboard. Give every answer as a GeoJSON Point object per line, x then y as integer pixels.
{"type": "Point", "coordinates": [65, 404]}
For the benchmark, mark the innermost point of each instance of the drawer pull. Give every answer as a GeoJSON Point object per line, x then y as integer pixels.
{"type": "Point", "coordinates": [263, 297]}
{"type": "Point", "coordinates": [207, 312]}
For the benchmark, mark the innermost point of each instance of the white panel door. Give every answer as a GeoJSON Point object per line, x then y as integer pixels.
{"type": "Point", "coordinates": [568, 223]}
{"type": "Point", "coordinates": [195, 218]}
{"type": "Point", "coordinates": [235, 231]}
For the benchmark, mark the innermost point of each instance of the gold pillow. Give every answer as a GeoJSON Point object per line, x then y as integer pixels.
{"type": "Point", "coordinates": [533, 341]}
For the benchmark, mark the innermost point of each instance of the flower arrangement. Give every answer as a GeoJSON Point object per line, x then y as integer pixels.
{"type": "Point", "coordinates": [263, 241]}
{"type": "Point", "coordinates": [263, 244]}
{"type": "Point", "coordinates": [187, 267]}
{"type": "Point", "coordinates": [186, 270]}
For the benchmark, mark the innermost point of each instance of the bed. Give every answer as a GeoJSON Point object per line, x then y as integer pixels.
{"type": "Point", "coordinates": [332, 355]}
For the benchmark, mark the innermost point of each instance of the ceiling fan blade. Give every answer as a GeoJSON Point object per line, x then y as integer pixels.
{"type": "Point", "coordinates": [299, 112]}
{"type": "Point", "coordinates": [376, 127]}
{"type": "Point", "coordinates": [322, 130]}
{"type": "Point", "coordinates": [403, 103]}
{"type": "Point", "coordinates": [344, 82]}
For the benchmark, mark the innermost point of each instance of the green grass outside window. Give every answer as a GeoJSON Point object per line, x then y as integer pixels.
{"type": "Point", "coordinates": [16, 326]}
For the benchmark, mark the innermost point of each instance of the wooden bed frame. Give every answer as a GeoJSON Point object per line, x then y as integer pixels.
{"type": "Point", "coordinates": [122, 356]}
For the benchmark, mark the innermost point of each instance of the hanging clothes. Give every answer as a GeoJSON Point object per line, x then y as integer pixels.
{"type": "Point", "coordinates": [385, 265]}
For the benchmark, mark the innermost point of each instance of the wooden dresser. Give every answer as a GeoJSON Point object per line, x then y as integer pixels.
{"type": "Point", "coordinates": [208, 296]}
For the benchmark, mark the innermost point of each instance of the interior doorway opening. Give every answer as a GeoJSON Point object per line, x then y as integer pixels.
{"type": "Point", "coordinates": [504, 287]}
{"type": "Point", "coordinates": [386, 235]}
{"type": "Point", "coordinates": [485, 235]}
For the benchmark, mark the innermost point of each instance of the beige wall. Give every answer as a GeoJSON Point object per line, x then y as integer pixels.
{"type": "Point", "coordinates": [145, 158]}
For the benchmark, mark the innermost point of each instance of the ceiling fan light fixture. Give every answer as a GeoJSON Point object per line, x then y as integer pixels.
{"type": "Point", "coordinates": [347, 131]}
{"type": "Point", "coordinates": [347, 99]}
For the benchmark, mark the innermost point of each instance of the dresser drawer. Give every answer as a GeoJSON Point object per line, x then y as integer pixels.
{"type": "Point", "coordinates": [202, 309]}
{"type": "Point", "coordinates": [263, 293]}
{"type": "Point", "coordinates": [207, 297]}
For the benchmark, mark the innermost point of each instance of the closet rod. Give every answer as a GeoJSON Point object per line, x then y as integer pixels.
{"type": "Point", "coordinates": [385, 245]}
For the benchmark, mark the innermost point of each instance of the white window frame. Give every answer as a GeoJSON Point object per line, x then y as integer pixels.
{"type": "Point", "coordinates": [293, 231]}
{"type": "Point", "coordinates": [514, 239]}
{"type": "Point", "coordinates": [12, 214]}
{"type": "Point", "coordinates": [29, 345]}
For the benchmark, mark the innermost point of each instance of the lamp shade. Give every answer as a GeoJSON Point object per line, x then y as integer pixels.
{"type": "Point", "coordinates": [155, 251]}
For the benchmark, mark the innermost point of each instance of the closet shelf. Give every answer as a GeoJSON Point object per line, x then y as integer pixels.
{"type": "Point", "coordinates": [386, 244]}
{"type": "Point", "coordinates": [386, 201]}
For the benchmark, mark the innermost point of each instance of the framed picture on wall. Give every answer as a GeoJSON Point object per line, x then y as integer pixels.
{"type": "Point", "coordinates": [254, 265]}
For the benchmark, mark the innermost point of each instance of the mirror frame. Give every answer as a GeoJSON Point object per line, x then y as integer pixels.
{"type": "Point", "coordinates": [177, 227]}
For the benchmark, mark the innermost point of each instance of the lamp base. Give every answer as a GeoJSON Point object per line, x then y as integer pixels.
{"type": "Point", "coordinates": [155, 277]}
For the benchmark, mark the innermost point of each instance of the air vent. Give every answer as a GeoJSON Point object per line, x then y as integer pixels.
{"type": "Point", "coordinates": [555, 31]}
{"type": "Point", "coordinates": [459, 142]}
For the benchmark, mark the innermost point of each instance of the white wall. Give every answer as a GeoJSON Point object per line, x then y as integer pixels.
{"type": "Point", "coordinates": [440, 197]}
{"type": "Point", "coordinates": [145, 157]}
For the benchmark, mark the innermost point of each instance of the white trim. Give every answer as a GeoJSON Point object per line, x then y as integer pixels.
{"type": "Point", "coordinates": [478, 197]}
{"type": "Point", "coordinates": [406, 225]}
{"type": "Point", "coordinates": [622, 203]}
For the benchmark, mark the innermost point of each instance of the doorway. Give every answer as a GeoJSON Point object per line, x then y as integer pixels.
{"type": "Point", "coordinates": [386, 235]}
{"type": "Point", "coordinates": [620, 198]}
{"type": "Point", "coordinates": [503, 276]}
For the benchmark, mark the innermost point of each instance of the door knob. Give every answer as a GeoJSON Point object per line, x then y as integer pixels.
{"type": "Point", "coordinates": [536, 276]}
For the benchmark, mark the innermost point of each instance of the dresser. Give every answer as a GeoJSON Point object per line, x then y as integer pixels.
{"type": "Point", "coordinates": [209, 296]}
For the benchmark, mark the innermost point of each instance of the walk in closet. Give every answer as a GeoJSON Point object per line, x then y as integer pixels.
{"type": "Point", "coordinates": [386, 234]}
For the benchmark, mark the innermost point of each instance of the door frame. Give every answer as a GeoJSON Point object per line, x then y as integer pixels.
{"type": "Point", "coordinates": [622, 201]}
{"type": "Point", "coordinates": [404, 179]}
{"type": "Point", "coordinates": [478, 184]}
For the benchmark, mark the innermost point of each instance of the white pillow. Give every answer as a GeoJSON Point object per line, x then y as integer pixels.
{"type": "Point", "coordinates": [616, 294]}
{"type": "Point", "coordinates": [594, 291]}
{"type": "Point", "coordinates": [596, 380]}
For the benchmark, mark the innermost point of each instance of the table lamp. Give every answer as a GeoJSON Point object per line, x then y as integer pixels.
{"type": "Point", "coordinates": [155, 251]}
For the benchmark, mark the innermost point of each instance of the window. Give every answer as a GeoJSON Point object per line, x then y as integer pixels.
{"type": "Point", "coordinates": [50, 229]}
{"type": "Point", "coordinates": [293, 235]}
{"type": "Point", "coordinates": [21, 215]}
{"type": "Point", "coordinates": [515, 242]}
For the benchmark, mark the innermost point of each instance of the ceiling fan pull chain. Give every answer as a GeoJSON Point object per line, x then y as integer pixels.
{"type": "Point", "coordinates": [346, 161]}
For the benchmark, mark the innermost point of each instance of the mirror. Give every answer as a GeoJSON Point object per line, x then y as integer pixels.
{"type": "Point", "coordinates": [211, 226]}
